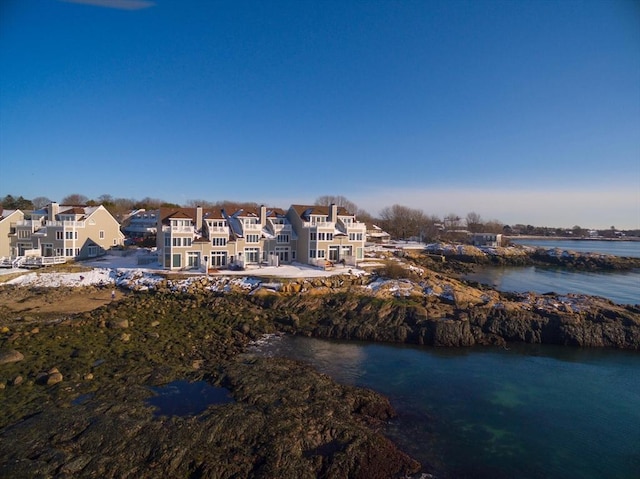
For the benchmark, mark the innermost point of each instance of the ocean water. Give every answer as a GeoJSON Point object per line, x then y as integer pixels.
{"type": "Point", "coordinates": [616, 248]}
{"type": "Point", "coordinates": [622, 287]}
{"type": "Point", "coordinates": [528, 412]}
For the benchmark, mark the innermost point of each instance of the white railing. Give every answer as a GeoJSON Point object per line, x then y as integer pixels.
{"type": "Point", "coordinates": [218, 229]}
{"type": "Point", "coordinates": [30, 223]}
{"type": "Point", "coordinates": [319, 224]}
{"type": "Point", "coordinates": [278, 227]}
{"type": "Point", "coordinates": [252, 227]}
{"type": "Point", "coordinates": [66, 224]}
{"type": "Point", "coordinates": [178, 229]}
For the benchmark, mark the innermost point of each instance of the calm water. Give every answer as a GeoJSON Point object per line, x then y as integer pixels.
{"type": "Point", "coordinates": [620, 286]}
{"type": "Point", "coordinates": [527, 412]}
{"type": "Point", "coordinates": [617, 248]}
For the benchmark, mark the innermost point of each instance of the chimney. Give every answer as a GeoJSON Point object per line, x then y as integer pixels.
{"type": "Point", "coordinates": [263, 215]}
{"type": "Point", "coordinates": [333, 213]}
{"type": "Point", "coordinates": [54, 209]}
{"type": "Point", "coordinates": [198, 217]}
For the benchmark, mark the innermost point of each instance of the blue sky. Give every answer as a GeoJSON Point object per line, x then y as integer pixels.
{"type": "Point", "coordinates": [522, 111]}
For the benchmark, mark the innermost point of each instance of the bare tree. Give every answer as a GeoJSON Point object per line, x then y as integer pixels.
{"type": "Point", "coordinates": [328, 200]}
{"type": "Point", "coordinates": [493, 226]}
{"type": "Point", "coordinates": [401, 221]}
{"type": "Point", "coordinates": [432, 228]}
{"type": "Point", "coordinates": [474, 222]}
{"type": "Point", "coordinates": [452, 221]}
{"type": "Point", "coordinates": [75, 199]}
{"type": "Point", "coordinates": [203, 203]}
{"type": "Point", "coordinates": [40, 202]}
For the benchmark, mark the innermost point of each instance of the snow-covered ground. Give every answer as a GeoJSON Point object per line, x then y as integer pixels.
{"type": "Point", "coordinates": [124, 271]}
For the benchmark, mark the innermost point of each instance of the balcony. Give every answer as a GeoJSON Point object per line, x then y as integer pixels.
{"type": "Point", "coordinates": [178, 229]}
{"type": "Point", "coordinates": [251, 227]}
{"type": "Point", "coordinates": [65, 224]}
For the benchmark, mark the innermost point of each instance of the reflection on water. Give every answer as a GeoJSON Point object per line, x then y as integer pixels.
{"type": "Point", "coordinates": [533, 411]}
{"type": "Point", "coordinates": [621, 286]}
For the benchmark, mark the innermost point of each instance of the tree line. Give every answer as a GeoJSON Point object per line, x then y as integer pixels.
{"type": "Point", "coordinates": [401, 222]}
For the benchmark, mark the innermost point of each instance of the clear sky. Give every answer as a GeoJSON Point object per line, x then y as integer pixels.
{"type": "Point", "coordinates": [525, 111]}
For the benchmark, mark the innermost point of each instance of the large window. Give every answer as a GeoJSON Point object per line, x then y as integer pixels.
{"type": "Point", "coordinates": [177, 261]}
{"type": "Point", "coordinates": [283, 238]}
{"type": "Point", "coordinates": [252, 255]}
{"type": "Point", "coordinates": [252, 238]}
{"type": "Point", "coordinates": [283, 253]}
{"type": "Point", "coordinates": [218, 258]}
{"type": "Point", "coordinates": [193, 259]}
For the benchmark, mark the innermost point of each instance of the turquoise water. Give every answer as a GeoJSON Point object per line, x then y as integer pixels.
{"type": "Point", "coordinates": [621, 287]}
{"type": "Point", "coordinates": [527, 412]}
{"type": "Point", "coordinates": [616, 248]}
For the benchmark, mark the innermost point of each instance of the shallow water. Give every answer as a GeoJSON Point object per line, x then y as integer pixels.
{"type": "Point", "coordinates": [527, 412]}
{"type": "Point", "coordinates": [184, 398]}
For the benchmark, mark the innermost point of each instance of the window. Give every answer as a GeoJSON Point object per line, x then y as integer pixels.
{"type": "Point", "coordinates": [252, 238]}
{"type": "Point", "coordinates": [186, 241]}
{"type": "Point", "coordinates": [92, 251]}
{"type": "Point", "coordinates": [101, 234]}
{"type": "Point", "coordinates": [283, 238]}
{"type": "Point", "coordinates": [312, 253]}
{"type": "Point", "coordinates": [193, 259]}
{"type": "Point", "coordinates": [312, 236]}
{"type": "Point", "coordinates": [71, 235]}
{"type": "Point", "coordinates": [321, 253]}
{"type": "Point", "coordinates": [59, 235]}
{"type": "Point", "coordinates": [24, 234]}
{"type": "Point", "coordinates": [252, 255]}
{"type": "Point", "coordinates": [176, 241]}
{"type": "Point", "coordinates": [219, 242]}
{"type": "Point", "coordinates": [177, 261]}
{"type": "Point", "coordinates": [321, 236]}
{"type": "Point", "coordinates": [68, 252]}
{"type": "Point", "coordinates": [218, 258]}
{"type": "Point", "coordinates": [329, 236]}
{"type": "Point", "coordinates": [167, 241]}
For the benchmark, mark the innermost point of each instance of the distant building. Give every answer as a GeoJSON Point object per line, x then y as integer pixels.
{"type": "Point", "coordinates": [140, 223]}
{"type": "Point", "coordinates": [375, 234]}
{"type": "Point", "coordinates": [486, 239]}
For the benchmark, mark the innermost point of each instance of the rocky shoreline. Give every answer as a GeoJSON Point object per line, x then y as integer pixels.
{"type": "Point", "coordinates": [75, 386]}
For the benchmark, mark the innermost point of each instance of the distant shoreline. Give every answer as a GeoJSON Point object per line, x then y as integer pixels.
{"type": "Point", "coordinates": [568, 238]}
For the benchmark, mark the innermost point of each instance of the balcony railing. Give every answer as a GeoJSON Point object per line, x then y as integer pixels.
{"type": "Point", "coordinates": [251, 227]}
{"type": "Point", "coordinates": [178, 229]}
{"type": "Point", "coordinates": [66, 224]}
{"type": "Point", "coordinates": [218, 229]}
